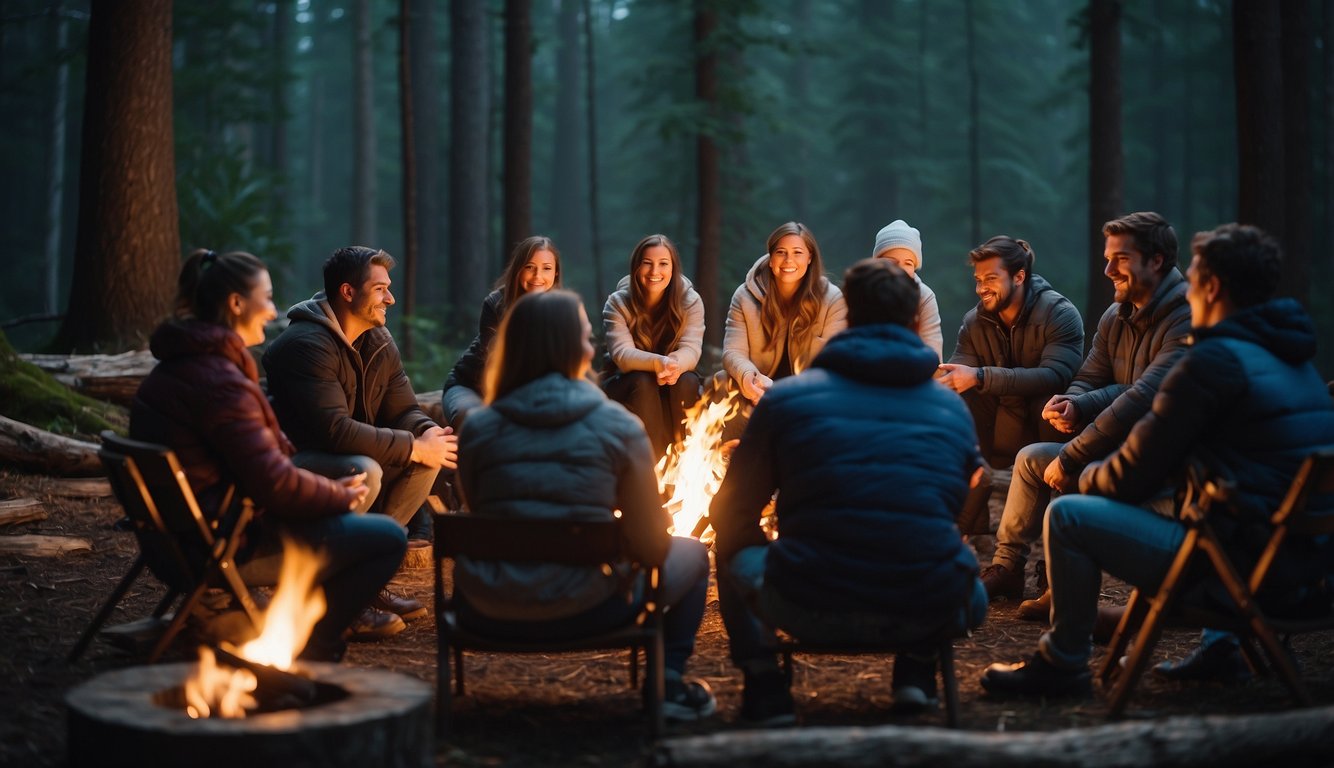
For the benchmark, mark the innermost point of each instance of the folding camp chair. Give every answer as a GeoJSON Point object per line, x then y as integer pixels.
{"type": "Point", "coordinates": [181, 547]}
{"type": "Point", "coordinates": [1145, 615]}
{"type": "Point", "coordinates": [592, 544]}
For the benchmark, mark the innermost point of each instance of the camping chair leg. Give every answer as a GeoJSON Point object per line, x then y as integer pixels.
{"type": "Point", "coordinates": [1254, 660]}
{"type": "Point", "coordinates": [634, 666]}
{"type": "Point", "coordinates": [241, 593]}
{"type": "Point", "coordinates": [107, 608]}
{"type": "Point", "coordinates": [950, 683]}
{"type": "Point", "coordinates": [1131, 620]}
{"type": "Point", "coordinates": [444, 701]}
{"type": "Point", "coordinates": [653, 686]}
{"type": "Point", "coordinates": [177, 622]}
{"type": "Point", "coordinates": [165, 602]}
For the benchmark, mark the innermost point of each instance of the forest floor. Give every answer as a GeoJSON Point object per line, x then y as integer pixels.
{"type": "Point", "coordinates": [524, 711]}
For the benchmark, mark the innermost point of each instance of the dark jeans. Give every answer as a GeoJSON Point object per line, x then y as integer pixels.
{"type": "Point", "coordinates": [398, 492]}
{"type": "Point", "coordinates": [661, 408]}
{"type": "Point", "coordinates": [359, 554]}
{"type": "Point", "coordinates": [685, 586]}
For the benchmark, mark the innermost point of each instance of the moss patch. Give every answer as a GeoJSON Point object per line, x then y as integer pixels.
{"type": "Point", "coordinates": [30, 395]}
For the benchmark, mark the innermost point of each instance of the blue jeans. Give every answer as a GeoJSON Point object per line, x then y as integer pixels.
{"type": "Point", "coordinates": [360, 554]}
{"type": "Point", "coordinates": [683, 591]}
{"type": "Point", "coordinates": [1086, 535]}
{"type": "Point", "coordinates": [751, 609]}
{"type": "Point", "coordinates": [407, 487]}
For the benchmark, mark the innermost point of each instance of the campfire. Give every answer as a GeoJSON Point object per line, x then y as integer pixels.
{"type": "Point", "coordinates": [228, 680]}
{"type": "Point", "coordinates": [693, 468]}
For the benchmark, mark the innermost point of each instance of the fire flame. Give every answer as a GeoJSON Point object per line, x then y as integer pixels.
{"type": "Point", "coordinates": [297, 605]}
{"type": "Point", "coordinates": [693, 469]}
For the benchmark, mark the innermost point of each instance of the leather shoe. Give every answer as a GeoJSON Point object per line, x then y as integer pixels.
{"type": "Point", "coordinates": [1036, 677]}
{"type": "Point", "coordinates": [400, 605]}
{"type": "Point", "coordinates": [373, 625]}
{"type": "Point", "coordinates": [1037, 609]}
{"type": "Point", "coordinates": [1217, 662]}
{"type": "Point", "coordinates": [1003, 582]}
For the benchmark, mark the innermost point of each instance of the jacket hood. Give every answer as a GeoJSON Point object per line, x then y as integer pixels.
{"type": "Point", "coordinates": [883, 354]}
{"type": "Point", "coordinates": [180, 339]}
{"type": "Point", "coordinates": [1171, 294]}
{"type": "Point", "coordinates": [316, 310]}
{"type": "Point", "coordinates": [1281, 326]}
{"type": "Point", "coordinates": [1035, 286]}
{"type": "Point", "coordinates": [552, 400]}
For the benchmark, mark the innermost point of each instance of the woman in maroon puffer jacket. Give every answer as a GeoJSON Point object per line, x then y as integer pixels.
{"type": "Point", "coordinates": [204, 401]}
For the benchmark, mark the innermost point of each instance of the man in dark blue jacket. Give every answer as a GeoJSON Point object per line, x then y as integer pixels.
{"type": "Point", "coordinates": [1245, 400]}
{"type": "Point", "coordinates": [871, 459]}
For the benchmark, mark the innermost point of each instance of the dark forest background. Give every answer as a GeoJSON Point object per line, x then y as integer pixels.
{"type": "Point", "coordinates": [596, 122]}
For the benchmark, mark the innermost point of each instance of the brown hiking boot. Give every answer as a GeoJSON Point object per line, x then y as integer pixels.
{"type": "Point", "coordinates": [1038, 609]}
{"type": "Point", "coordinates": [374, 624]}
{"type": "Point", "coordinates": [402, 605]}
{"type": "Point", "coordinates": [1003, 582]}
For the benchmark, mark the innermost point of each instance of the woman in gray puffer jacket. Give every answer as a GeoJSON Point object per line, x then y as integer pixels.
{"type": "Point", "coordinates": [550, 444]}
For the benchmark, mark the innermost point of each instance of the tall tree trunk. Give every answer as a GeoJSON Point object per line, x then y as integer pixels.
{"type": "Point", "coordinates": [469, 182]}
{"type": "Point", "coordinates": [426, 137]}
{"type": "Point", "coordinates": [710, 211]}
{"type": "Point", "coordinates": [594, 225]}
{"type": "Point", "coordinates": [567, 210]}
{"type": "Point", "coordinates": [282, 33]}
{"type": "Point", "coordinates": [974, 120]}
{"type": "Point", "coordinates": [55, 167]}
{"type": "Point", "coordinates": [1259, 81]}
{"type": "Point", "coordinates": [408, 291]}
{"type": "Point", "coordinates": [363, 127]}
{"type": "Point", "coordinates": [127, 250]}
{"type": "Point", "coordinates": [1106, 163]}
{"type": "Point", "coordinates": [1296, 43]}
{"type": "Point", "coordinates": [518, 122]}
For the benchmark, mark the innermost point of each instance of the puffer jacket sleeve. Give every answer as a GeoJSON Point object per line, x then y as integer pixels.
{"type": "Point", "coordinates": [471, 365]}
{"type": "Point", "coordinates": [400, 408]}
{"type": "Point", "coordinates": [643, 519]}
{"type": "Point", "coordinates": [1061, 352]}
{"type": "Point", "coordinates": [750, 482]}
{"type": "Point", "coordinates": [965, 352]}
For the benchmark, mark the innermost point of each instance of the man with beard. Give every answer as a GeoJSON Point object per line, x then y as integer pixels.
{"type": "Point", "coordinates": [1017, 348]}
{"type": "Point", "coordinates": [338, 386]}
{"type": "Point", "coordinates": [1138, 339]}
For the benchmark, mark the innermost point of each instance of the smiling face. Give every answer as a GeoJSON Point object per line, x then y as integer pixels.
{"type": "Point", "coordinates": [995, 287]}
{"type": "Point", "coordinates": [539, 272]}
{"type": "Point", "coordinates": [903, 257]}
{"type": "Point", "coordinates": [654, 271]}
{"type": "Point", "coordinates": [371, 302]}
{"type": "Point", "coordinates": [251, 312]}
{"type": "Point", "coordinates": [789, 261]}
{"type": "Point", "coordinates": [1134, 276]}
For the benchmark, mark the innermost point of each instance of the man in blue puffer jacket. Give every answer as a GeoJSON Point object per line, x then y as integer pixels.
{"type": "Point", "coordinates": [871, 458]}
{"type": "Point", "coordinates": [1246, 401]}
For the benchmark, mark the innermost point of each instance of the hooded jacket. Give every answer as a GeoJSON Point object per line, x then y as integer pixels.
{"type": "Point", "coordinates": [1244, 400]}
{"type": "Point", "coordinates": [1131, 353]}
{"type": "Point", "coordinates": [622, 352]}
{"type": "Point", "coordinates": [342, 398]}
{"type": "Point", "coordinates": [1025, 364]}
{"type": "Point", "coordinates": [744, 348]}
{"type": "Point", "coordinates": [872, 459]}
{"type": "Point", "coordinates": [556, 448]}
{"type": "Point", "coordinates": [203, 401]}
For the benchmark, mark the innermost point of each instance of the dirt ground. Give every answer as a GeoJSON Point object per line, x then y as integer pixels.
{"type": "Point", "coordinates": [527, 711]}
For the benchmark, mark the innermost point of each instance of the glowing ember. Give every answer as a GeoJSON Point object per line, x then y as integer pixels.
{"type": "Point", "coordinates": [297, 605]}
{"type": "Point", "coordinates": [693, 468]}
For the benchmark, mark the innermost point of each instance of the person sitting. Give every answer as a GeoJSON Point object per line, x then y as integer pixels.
{"type": "Point", "coordinates": [902, 245]}
{"type": "Point", "coordinates": [871, 459]}
{"type": "Point", "coordinates": [1246, 402]}
{"type": "Point", "coordinates": [779, 319]}
{"type": "Point", "coordinates": [549, 443]}
{"type": "Point", "coordinates": [654, 326]}
{"type": "Point", "coordinates": [203, 401]}
{"type": "Point", "coordinates": [534, 266]}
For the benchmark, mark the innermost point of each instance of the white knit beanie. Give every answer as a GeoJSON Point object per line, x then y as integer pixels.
{"type": "Point", "coordinates": [899, 235]}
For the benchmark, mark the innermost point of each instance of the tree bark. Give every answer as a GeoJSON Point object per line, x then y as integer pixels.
{"type": "Point", "coordinates": [113, 378]}
{"type": "Point", "coordinates": [710, 211]}
{"type": "Point", "coordinates": [427, 141]}
{"type": "Point", "coordinates": [408, 290]}
{"type": "Point", "coordinates": [127, 250]}
{"type": "Point", "coordinates": [469, 187]}
{"type": "Point", "coordinates": [282, 32]}
{"type": "Point", "coordinates": [518, 122]}
{"type": "Point", "coordinates": [29, 448]}
{"type": "Point", "coordinates": [1208, 742]}
{"type": "Point", "coordinates": [1296, 43]}
{"type": "Point", "coordinates": [1259, 81]}
{"type": "Point", "coordinates": [55, 185]}
{"type": "Point", "coordinates": [363, 128]}
{"type": "Point", "coordinates": [1106, 163]}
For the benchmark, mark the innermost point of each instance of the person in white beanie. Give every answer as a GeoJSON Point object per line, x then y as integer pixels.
{"type": "Point", "coordinates": [902, 245]}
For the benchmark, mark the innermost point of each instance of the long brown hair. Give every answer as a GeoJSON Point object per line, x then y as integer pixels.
{"type": "Point", "coordinates": [540, 334]}
{"type": "Point", "coordinates": [798, 314]}
{"type": "Point", "coordinates": [510, 283]}
{"type": "Point", "coordinates": [657, 329]}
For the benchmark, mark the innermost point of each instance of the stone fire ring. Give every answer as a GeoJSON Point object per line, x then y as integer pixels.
{"type": "Point", "coordinates": [384, 721]}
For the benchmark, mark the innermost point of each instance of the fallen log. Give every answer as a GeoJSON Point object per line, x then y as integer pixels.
{"type": "Point", "coordinates": [114, 378]}
{"type": "Point", "coordinates": [42, 546]}
{"type": "Point", "coordinates": [15, 511]}
{"type": "Point", "coordinates": [29, 448]}
{"type": "Point", "coordinates": [1303, 736]}
{"type": "Point", "coordinates": [79, 487]}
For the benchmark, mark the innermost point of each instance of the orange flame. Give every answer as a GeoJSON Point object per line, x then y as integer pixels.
{"type": "Point", "coordinates": [693, 469]}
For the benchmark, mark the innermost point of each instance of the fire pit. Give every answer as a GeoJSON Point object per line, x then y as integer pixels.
{"type": "Point", "coordinates": [358, 717]}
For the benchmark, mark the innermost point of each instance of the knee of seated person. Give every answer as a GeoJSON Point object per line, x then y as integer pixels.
{"type": "Point", "coordinates": [692, 556]}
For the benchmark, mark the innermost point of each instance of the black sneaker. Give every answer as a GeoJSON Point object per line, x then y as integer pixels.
{"type": "Point", "coordinates": [686, 700]}
{"type": "Point", "coordinates": [914, 684]}
{"type": "Point", "coordinates": [1219, 662]}
{"type": "Point", "coordinates": [1036, 677]}
{"type": "Point", "coordinates": [767, 701]}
